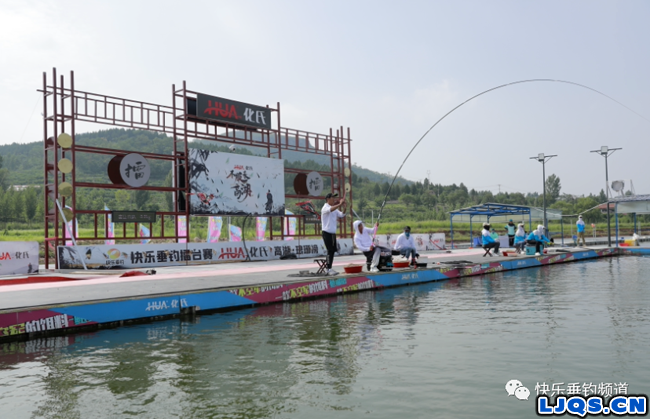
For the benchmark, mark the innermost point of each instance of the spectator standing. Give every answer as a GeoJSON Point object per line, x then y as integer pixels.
{"type": "Point", "coordinates": [580, 225]}
{"type": "Point", "coordinates": [511, 229]}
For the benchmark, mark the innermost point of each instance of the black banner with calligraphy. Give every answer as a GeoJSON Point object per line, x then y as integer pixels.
{"type": "Point", "coordinates": [230, 111]}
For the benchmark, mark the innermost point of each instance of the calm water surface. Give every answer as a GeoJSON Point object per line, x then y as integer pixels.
{"type": "Point", "coordinates": [442, 349]}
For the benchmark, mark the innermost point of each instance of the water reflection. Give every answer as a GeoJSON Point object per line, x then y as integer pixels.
{"type": "Point", "coordinates": [401, 351]}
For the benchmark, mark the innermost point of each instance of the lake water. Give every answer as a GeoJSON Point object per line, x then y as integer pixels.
{"type": "Point", "coordinates": [442, 349]}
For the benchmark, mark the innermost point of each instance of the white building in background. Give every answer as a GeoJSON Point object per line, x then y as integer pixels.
{"type": "Point", "coordinates": [22, 187]}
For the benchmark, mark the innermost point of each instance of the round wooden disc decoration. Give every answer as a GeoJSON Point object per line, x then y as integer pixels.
{"type": "Point", "coordinates": [346, 172]}
{"type": "Point", "coordinates": [67, 212]}
{"type": "Point", "coordinates": [314, 184]}
{"type": "Point", "coordinates": [300, 184]}
{"type": "Point", "coordinates": [64, 140]}
{"type": "Point", "coordinates": [135, 170]}
{"type": "Point", "coordinates": [65, 165]}
{"type": "Point", "coordinates": [132, 170]}
{"type": "Point", "coordinates": [65, 189]}
{"type": "Point", "coordinates": [114, 170]}
{"type": "Point", "coordinates": [347, 187]}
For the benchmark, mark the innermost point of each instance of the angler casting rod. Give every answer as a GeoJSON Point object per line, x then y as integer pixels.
{"type": "Point", "coordinates": [480, 94]}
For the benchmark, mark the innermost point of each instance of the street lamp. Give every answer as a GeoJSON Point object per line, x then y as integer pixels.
{"type": "Point", "coordinates": [543, 159]}
{"type": "Point", "coordinates": [606, 152]}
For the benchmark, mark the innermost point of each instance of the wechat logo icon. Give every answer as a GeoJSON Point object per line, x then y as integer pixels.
{"type": "Point", "coordinates": [517, 389]}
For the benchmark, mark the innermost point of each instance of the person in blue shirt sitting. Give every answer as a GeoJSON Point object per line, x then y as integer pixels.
{"type": "Point", "coordinates": [520, 238]}
{"type": "Point", "coordinates": [488, 241]}
{"type": "Point", "coordinates": [537, 238]}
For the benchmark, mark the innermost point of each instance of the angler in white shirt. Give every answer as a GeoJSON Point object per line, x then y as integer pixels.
{"type": "Point", "coordinates": [406, 245]}
{"type": "Point", "coordinates": [329, 217]}
{"type": "Point", "coordinates": [363, 241]}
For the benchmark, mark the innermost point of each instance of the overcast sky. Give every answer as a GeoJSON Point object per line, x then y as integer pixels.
{"type": "Point", "coordinates": [386, 69]}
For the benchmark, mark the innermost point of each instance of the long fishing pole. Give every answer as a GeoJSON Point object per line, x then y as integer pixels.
{"type": "Point", "coordinates": [480, 94]}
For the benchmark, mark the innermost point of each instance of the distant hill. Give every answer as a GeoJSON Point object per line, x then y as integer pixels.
{"type": "Point", "coordinates": [378, 177]}
{"type": "Point", "coordinates": [25, 161]}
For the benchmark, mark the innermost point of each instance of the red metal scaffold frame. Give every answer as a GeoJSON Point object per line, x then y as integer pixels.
{"type": "Point", "coordinates": [64, 105]}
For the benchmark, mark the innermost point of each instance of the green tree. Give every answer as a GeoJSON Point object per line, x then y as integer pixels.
{"type": "Point", "coordinates": [518, 198]}
{"type": "Point", "coordinates": [602, 197]}
{"type": "Point", "coordinates": [429, 200]}
{"type": "Point", "coordinates": [4, 207]}
{"type": "Point", "coordinates": [40, 211]}
{"type": "Point", "coordinates": [395, 192]}
{"type": "Point", "coordinates": [31, 203]}
{"type": "Point", "coordinates": [584, 204]}
{"type": "Point", "coordinates": [13, 204]}
{"type": "Point", "coordinates": [122, 198]}
{"type": "Point", "coordinates": [19, 206]}
{"type": "Point", "coordinates": [361, 204]}
{"type": "Point", "coordinates": [4, 176]}
{"type": "Point", "coordinates": [408, 199]}
{"type": "Point", "coordinates": [142, 198]}
{"type": "Point", "coordinates": [553, 188]}
{"type": "Point", "coordinates": [564, 206]}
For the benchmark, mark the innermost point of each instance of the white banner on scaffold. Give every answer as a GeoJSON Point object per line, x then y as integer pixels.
{"type": "Point", "coordinates": [235, 184]}
{"type": "Point", "coordinates": [175, 254]}
{"type": "Point", "coordinates": [18, 258]}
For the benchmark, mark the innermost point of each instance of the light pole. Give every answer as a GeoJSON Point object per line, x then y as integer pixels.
{"type": "Point", "coordinates": [606, 152]}
{"type": "Point", "coordinates": [543, 159]}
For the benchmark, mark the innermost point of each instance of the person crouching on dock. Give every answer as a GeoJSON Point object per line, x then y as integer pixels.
{"type": "Point", "coordinates": [363, 241]}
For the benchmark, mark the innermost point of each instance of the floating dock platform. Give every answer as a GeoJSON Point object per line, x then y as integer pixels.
{"type": "Point", "coordinates": [67, 302]}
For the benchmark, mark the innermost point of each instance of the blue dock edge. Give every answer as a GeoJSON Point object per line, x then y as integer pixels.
{"type": "Point", "coordinates": [26, 323]}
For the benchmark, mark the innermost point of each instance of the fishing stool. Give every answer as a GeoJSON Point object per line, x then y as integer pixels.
{"type": "Point", "coordinates": [322, 266]}
{"type": "Point", "coordinates": [487, 251]}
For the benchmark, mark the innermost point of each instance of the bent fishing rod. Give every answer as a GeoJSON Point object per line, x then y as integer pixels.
{"type": "Point", "coordinates": [381, 209]}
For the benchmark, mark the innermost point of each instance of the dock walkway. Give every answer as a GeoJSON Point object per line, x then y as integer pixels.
{"type": "Point", "coordinates": [96, 299]}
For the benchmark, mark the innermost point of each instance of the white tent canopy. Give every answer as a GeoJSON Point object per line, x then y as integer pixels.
{"type": "Point", "coordinates": [639, 204]}
{"type": "Point", "coordinates": [502, 213]}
